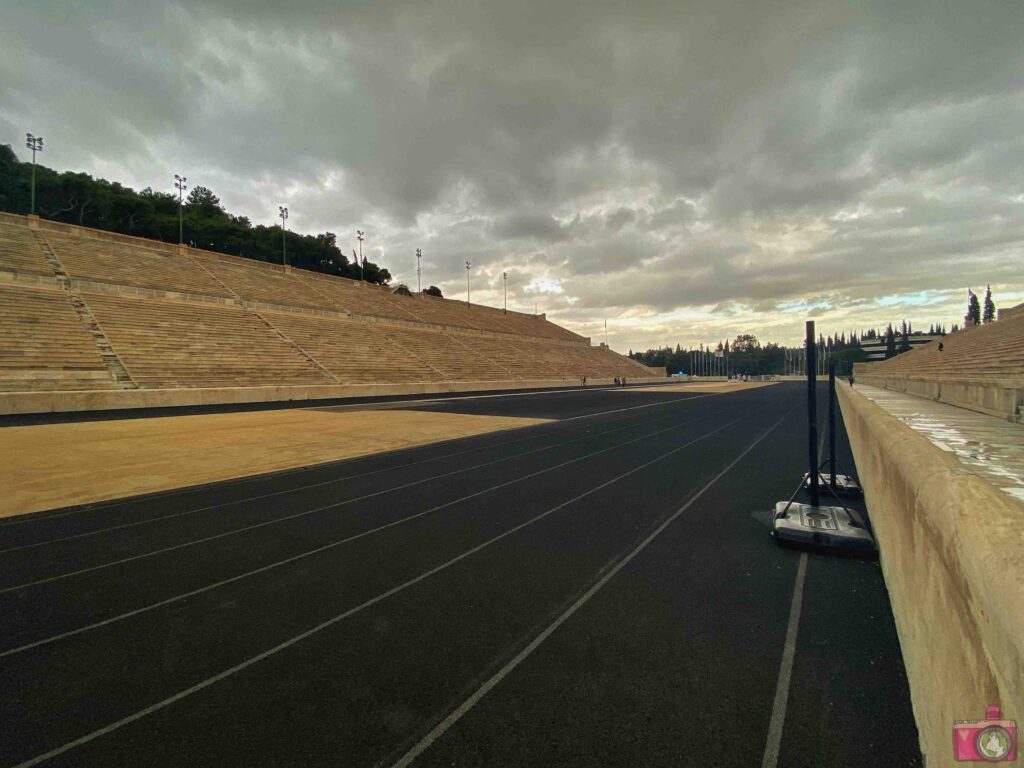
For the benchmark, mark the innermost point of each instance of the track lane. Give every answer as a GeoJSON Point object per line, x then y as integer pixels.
{"type": "Point", "coordinates": [260, 551]}
{"type": "Point", "coordinates": [572, 407]}
{"type": "Point", "coordinates": [384, 550]}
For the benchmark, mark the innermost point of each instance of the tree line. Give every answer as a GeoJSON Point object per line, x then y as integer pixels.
{"type": "Point", "coordinates": [747, 355]}
{"type": "Point", "coordinates": [78, 198]}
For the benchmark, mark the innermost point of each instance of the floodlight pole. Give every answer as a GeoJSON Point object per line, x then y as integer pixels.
{"type": "Point", "coordinates": [419, 255]}
{"type": "Point", "coordinates": [606, 331]}
{"type": "Point", "coordinates": [504, 284]}
{"type": "Point", "coordinates": [359, 237]}
{"type": "Point", "coordinates": [35, 143]}
{"type": "Point", "coordinates": [812, 414]}
{"type": "Point", "coordinates": [283, 213]}
{"type": "Point", "coordinates": [467, 284]}
{"type": "Point", "coordinates": [179, 184]}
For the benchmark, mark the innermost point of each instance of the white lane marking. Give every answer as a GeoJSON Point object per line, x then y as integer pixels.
{"type": "Point", "coordinates": [501, 674]}
{"type": "Point", "coordinates": [203, 684]}
{"type": "Point", "coordinates": [331, 545]}
{"type": "Point", "coordinates": [32, 518]}
{"type": "Point", "coordinates": [778, 719]}
{"type": "Point", "coordinates": [304, 513]}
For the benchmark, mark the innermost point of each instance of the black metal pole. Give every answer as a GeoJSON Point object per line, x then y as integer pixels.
{"type": "Point", "coordinates": [812, 414]}
{"type": "Point", "coordinates": [832, 425]}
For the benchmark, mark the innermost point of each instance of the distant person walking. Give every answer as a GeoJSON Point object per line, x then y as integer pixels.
{"type": "Point", "coordinates": [851, 379]}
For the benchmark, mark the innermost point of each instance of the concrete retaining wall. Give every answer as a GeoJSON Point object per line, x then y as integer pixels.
{"type": "Point", "coordinates": [952, 552]}
{"type": "Point", "coordinates": [1003, 399]}
{"type": "Point", "coordinates": [102, 400]}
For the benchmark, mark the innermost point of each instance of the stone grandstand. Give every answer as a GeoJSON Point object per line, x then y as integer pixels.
{"type": "Point", "coordinates": [939, 449]}
{"type": "Point", "coordinates": [98, 320]}
{"type": "Point", "coordinates": [980, 368]}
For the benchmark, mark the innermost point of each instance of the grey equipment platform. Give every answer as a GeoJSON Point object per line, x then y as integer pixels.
{"type": "Point", "coordinates": [834, 528]}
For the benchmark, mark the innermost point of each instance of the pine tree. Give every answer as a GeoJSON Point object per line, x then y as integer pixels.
{"type": "Point", "coordinates": [990, 307]}
{"type": "Point", "coordinates": [890, 342]}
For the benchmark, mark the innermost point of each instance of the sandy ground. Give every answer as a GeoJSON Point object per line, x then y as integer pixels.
{"type": "Point", "coordinates": [56, 465]}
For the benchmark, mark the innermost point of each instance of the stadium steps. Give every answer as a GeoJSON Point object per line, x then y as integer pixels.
{"type": "Point", "coordinates": [267, 284]}
{"type": "Point", "coordinates": [994, 350]}
{"type": "Point", "coordinates": [20, 251]}
{"type": "Point", "coordinates": [297, 347]}
{"type": "Point", "coordinates": [186, 344]}
{"type": "Point", "coordinates": [445, 353]}
{"type": "Point", "coordinates": [354, 351]}
{"type": "Point", "coordinates": [43, 345]}
{"type": "Point", "coordinates": [114, 364]}
{"type": "Point", "coordinates": [111, 261]}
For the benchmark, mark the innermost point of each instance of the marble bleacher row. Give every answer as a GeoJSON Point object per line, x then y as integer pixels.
{"type": "Point", "coordinates": [43, 344]}
{"type": "Point", "coordinates": [173, 341]}
{"type": "Point", "coordinates": [993, 351]}
{"type": "Point", "coordinates": [160, 267]}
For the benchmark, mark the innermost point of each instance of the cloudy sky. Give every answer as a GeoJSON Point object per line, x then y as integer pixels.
{"type": "Point", "coordinates": [687, 170]}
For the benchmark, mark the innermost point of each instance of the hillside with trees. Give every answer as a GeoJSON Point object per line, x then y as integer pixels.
{"type": "Point", "coordinates": [78, 198]}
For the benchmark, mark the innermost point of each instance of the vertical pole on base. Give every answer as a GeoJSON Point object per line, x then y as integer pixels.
{"type": "Point", "coordinates": [812, 414]}
{"type": "Point", "coordinates": [832, 424]}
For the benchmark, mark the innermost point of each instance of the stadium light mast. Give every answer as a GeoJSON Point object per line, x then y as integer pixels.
{"type": "Point", "coordinates": [606, 331]}
{"type": "Point", "coordinates": [467, 283]}
{"type": "Point", "coordinates": [504, 282]}
{"type": "Point", "coordinates": [362, 262]}
{"type": "Point", "coordinates": [35, 143]}
{"type": "Point", "coordinates": [179, 184]}
{"type": "Point", "coordinates": [419, 285]}
{"type": "Point", "coordinates": [282, 211]}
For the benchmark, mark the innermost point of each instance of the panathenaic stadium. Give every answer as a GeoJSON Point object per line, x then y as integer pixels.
{"type": "Point", "coordinates": [253, 515]}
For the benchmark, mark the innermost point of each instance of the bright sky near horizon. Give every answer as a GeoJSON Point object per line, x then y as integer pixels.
{"type": "Point", "coordinates": [689, 170]}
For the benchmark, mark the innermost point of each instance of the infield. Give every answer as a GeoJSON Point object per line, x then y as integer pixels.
{"type": "Point", "coordinates": [56, 465]}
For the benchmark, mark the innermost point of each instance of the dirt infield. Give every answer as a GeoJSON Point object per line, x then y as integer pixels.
{"type": "Point", "coordinates": [708, 386]}
{"type": "Point", "coordinates": [57, 465]}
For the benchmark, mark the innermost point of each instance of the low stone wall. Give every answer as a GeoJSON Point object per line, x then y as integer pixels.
{"type": "Point", "coordinates": [952, 553]}
{"type": "Point", "coordinates": [1003, 399]}
{"type": "Point", "coordinates": [104, 400]}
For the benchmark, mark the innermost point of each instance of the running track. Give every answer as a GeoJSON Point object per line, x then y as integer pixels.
{"type": "Point", "coordinates": [596, 591]}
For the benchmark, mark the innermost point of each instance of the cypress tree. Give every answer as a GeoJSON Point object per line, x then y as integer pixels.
{"type": "Point", "coordinates": [973, 316]}
{"type": "Point", "coordinates": [990, 307]}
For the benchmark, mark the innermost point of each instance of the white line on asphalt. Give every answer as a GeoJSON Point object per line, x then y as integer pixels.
{"type": "Point", "coordinates": [32, 518]}
{"type": "Point", "coordinates": [325, 547]}
{"type": "Point", "coordinates": [304, 513]}
{"type": "Point", "coordinates": [482, 691]}
{"type": "Point", "coordinates": [774, 741]}
{"type": "Point", "coordinates": [140, 714]}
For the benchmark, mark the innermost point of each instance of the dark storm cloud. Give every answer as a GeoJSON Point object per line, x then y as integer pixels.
{"type": "Point", "coordinates": [652, 160]}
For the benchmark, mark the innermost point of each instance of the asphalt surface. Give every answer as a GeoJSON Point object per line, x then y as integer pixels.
{"type": "Point", "coordinates": [599, 590]}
